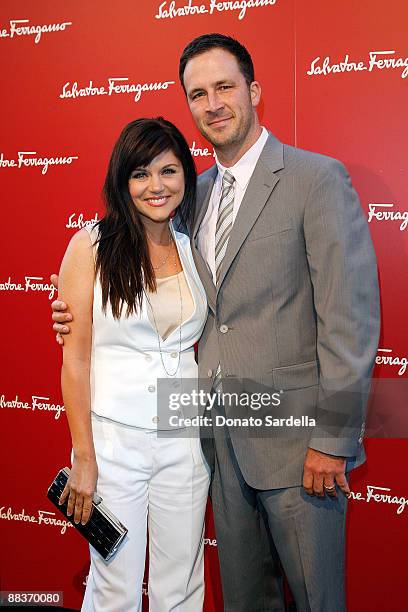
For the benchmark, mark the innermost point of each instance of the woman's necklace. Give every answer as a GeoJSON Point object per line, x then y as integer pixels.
{"type": "Point", "coordinates": [171, 374]}
{"type": "Point", "coordinates": [165, 260]}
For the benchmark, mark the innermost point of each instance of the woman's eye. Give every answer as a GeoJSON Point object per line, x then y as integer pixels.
{"type": "Point", "coordinates": [138, 175]}
{"type": "Point", "coordinates": [169, 171]}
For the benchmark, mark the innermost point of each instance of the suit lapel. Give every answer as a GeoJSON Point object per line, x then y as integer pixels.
{"type": "Point", "coordinates": [203, 198]}
{"type": "Point", "coordinates": [204, 190]}
{"type": "Point", "coordinates": [260, 187]}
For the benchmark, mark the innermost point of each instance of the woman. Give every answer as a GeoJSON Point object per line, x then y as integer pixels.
{"type": "Point", "coordinates": [138, 307]}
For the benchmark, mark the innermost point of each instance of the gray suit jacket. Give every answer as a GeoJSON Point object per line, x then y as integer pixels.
{"type": "Point", "coordinates": [296, 310]}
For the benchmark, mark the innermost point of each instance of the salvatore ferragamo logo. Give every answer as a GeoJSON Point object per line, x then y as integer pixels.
{"type": "Point", "coordinates": [78, 222]}
{"type": "Point", "coordinates": [386, 212]}
{"type": "Point", "coordinates": [171, 10]}
{"type": "Point", "coordinates": [21, 27]}
{"type": "Point", "coordinates": [377, 60]}
{"type": "Point", "coordinates": [381, 495]}
{"type": "Point", "coordinates": [386, 357]}
{"type": "Point", "coordinates": [26, 159]}
{"type": "Point", "coordinates": [30, 284]}
{"type": "Point", "coordinates": [43, 517]}
{"type": "Point", "coordinates": [114, 86]}
{"type": "Point", "coordinates": [37, 402]}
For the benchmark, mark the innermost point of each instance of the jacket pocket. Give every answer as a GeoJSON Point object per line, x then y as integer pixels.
{"type": "Point", "coordinates": [298, 376]}
{"type": "Point", "coordinates": [265, 230]}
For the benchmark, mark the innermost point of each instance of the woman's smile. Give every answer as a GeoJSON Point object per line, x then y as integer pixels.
{"type": "Point", "coordinates": [157, 201]}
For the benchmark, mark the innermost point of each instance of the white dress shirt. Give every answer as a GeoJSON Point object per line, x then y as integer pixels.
{"type": "Point", "coordinates": [242, 172]}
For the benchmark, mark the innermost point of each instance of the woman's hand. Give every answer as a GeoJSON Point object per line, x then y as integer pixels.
{"type": "Point", "coordinates": [79, 489]}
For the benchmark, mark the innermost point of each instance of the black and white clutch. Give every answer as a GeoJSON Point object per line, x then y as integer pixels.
{"type": "Point", "coordinates": [103, 530]}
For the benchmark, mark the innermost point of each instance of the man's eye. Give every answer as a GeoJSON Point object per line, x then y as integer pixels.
{"type": "Point", "coordinates": [225, 86]}
{"type": "Point", "coordinates": [198, 95]}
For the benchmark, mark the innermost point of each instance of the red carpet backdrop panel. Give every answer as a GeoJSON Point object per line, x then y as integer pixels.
{"type": "Point", "coordinates": [334, 78]}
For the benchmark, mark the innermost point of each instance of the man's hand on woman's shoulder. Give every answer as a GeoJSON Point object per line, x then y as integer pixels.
{"type": "Point", "coordinates": [60, 316]}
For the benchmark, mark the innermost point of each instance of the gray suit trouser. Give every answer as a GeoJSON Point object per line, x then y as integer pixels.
{"type": "Point", "coordinates": [248, 551]}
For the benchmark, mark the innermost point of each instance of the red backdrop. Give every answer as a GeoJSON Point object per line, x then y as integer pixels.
{"type": "Point", "coordinates": [73, 74]}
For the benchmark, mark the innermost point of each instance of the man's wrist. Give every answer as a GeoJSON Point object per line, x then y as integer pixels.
{"type": "Point", "coordinates": [328, 454]}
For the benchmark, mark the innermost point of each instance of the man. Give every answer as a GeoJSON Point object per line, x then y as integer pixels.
{"type": "Point", "coordinates": [284, 252]}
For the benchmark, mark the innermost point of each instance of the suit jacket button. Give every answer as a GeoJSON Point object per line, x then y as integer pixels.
{"type": "Point", "coordinates": [151, 388]}
{"type": "Point", "coordinates": [209, 373]}
{"type": "Point", "coordinates": [224, 329]}
{"type": "Point", "coordinates": [155, 419]}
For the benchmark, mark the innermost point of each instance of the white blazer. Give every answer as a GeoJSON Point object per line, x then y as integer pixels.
{"type": "Point", "coordinates": [126, 363]}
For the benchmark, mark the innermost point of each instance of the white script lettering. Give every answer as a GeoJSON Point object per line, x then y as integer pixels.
{"type": "Point", "coordinates": [18, 29]}
{"type": "Point", "coordinates": [38, 402]}
{"type": "Point", "coordinates": [182, 11]}
{"type": "Point", "coordinates": [115, 85]}
{"type": "Point", "coordinates": [29, 285]}
{"type": "Point", "coordinates": [198, 152]}
{"type": "Point", "coordinates": [384, 497]}
{"type": "Point", "coordinates": [389, 359]}
{"type": "Point", "coordinates": [169, 10]}
{"type": "Point", "coordinates": [79, 223]}
{"type": "Point", "coordinates": [377, 60]}
{"type": "Point", "coordinates": [26, 159]}
{"type": "Point", "coordinates": [43, 517]}
{"type": "Point", "coordinates": [388, 214]}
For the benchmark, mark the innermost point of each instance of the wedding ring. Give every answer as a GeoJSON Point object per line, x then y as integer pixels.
{"type": "Point", "coordinates": [329, 488]}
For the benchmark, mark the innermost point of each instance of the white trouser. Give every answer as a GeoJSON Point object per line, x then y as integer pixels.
{"type": "Point", "coordinates": [162, 484]}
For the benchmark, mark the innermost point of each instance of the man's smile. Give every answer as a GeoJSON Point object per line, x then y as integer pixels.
{"type": "Point", "coordinates": [219, 122]}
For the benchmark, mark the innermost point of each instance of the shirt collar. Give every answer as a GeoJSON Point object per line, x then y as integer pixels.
{"type": "Point", "coordinates": [243, 169]}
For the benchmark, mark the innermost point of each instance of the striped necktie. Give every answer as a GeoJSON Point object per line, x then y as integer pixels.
{"type": "Point", "coordinates": [224, 220]}
{"type": "Point", "coordinates": [222, 233]}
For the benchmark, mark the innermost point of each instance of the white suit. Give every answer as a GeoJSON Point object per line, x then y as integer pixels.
{"type": "Point", "coordinates": [145, 479]}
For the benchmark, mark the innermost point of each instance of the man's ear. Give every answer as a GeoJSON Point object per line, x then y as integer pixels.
{"type": "Point", "coordinates": [255, 93]}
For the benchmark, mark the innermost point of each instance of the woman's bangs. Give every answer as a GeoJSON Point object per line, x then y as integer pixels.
{"type": "Point", "coordinates": [150, 144]}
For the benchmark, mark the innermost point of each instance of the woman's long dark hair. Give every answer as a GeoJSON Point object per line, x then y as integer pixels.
{"type": "Point", "coordinates": [122, 259]}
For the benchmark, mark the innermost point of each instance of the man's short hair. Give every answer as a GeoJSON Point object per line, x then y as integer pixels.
{"type": "Point", "coordinates": [206, 42]}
